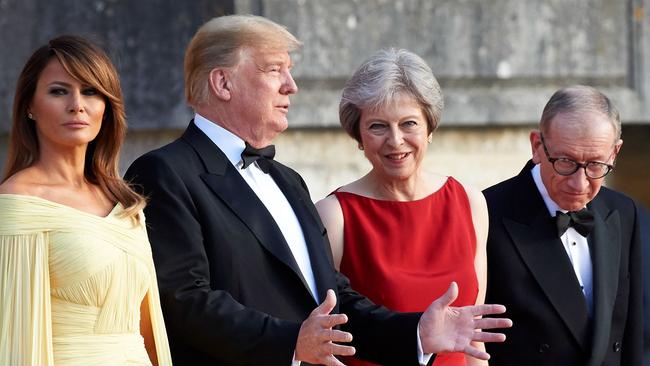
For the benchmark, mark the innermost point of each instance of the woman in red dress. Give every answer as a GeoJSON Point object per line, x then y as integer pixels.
{"type": "Point", "coordinates": [402, 234]}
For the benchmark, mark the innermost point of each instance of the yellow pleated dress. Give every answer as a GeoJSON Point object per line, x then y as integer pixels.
{"type": "Point", "coordinates": [71, 286]}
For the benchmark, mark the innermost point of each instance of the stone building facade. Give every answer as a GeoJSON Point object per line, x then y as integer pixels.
{"type": "Point", "coordinates": [497, 61]}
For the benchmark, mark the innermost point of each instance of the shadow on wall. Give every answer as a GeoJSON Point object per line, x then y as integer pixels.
{"type": "Point", "coordinates": [632, 172]}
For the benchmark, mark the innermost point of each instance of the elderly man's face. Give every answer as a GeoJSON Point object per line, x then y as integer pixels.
{"type": "Point", "coordinates": [582, 137]}
{"type": "Point", "coordinates": [261, 85]}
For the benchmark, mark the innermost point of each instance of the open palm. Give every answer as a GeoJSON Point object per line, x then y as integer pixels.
{"type": "Point", "coordinates": [444, 328]}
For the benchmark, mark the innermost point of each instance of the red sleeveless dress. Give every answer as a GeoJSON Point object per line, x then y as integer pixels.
{"type": "Point", "coordinates": [403, 255]}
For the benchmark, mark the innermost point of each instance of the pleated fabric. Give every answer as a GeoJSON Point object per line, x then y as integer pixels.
{"type": "Point", "coordinates": [71, 286]}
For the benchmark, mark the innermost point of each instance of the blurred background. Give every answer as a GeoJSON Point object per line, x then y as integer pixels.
{"type": "Point", "coordinates": [498, 62]}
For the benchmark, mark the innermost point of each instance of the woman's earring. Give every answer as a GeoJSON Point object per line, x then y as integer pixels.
{"type": "Point", "coordinates": [360, 146]}
{"type": "Point", "coordinates": [30, 116]}
{"type": "Point", "coordinates": [430, 138]}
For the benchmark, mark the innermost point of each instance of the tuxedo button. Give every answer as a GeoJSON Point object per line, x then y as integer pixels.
{"type": "Point", "coordinates": [616, 346]}
{"type": "Point", "coordinates": [544, 347]}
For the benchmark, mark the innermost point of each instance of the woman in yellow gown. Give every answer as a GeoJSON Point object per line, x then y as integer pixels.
{"type": "Point", "coordinates": [77, 282]}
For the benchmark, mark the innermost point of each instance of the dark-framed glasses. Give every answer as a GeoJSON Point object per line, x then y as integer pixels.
{"type": "Point", "coordinates": [565, 166]}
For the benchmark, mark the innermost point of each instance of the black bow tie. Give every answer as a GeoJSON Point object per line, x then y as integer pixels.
{"type": "Point", "coordinates": [263, 157]}
{"type": "Point", "coordinates": [582, 221]}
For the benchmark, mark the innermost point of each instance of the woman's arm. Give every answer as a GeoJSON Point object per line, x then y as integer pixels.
{"type": "Point", "coordinates": [147, 331]}
{"type": "Point", "coordinates": [331, 214]}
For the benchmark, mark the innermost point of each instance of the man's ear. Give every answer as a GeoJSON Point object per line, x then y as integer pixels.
{"type": "Point", "coordinates": [535, 144]}
{"type": "Point", "coordinates": [220, 84]}
{"type": "Point", "coordinates": [618, 145]}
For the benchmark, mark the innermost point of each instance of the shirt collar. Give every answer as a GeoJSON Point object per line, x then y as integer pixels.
{"type": "Point", "coordinates": [550, 204]}
{"type": "Point", "coordinates": [231, 145]}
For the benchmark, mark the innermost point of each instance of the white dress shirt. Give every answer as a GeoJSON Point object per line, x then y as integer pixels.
{"type": "Point", "coordinates": [268, 192]}
{"type": "Point", "coordinates": [575, 245]}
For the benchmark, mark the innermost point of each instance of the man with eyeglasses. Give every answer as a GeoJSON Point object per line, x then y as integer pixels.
{"type": "Point", "coordinates": [564, 253]}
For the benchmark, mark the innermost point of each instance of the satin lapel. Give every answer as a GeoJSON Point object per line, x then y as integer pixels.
{"type": "Point", "coordinates": [240, 198]}
{"type": "Point", "coordinates": [312, 228]}
{"type": "Point", "coordinates": [606, 252]}
{"type": "Point", "coordinates": [232, 189]}
{"type": "Point", "coordinates": [533, 233]}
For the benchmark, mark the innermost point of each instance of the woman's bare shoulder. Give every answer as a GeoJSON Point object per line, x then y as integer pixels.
{"type": "Point", "coordinates": [21, 182]}
{"type": "Point", "coordinates": [328, 205]}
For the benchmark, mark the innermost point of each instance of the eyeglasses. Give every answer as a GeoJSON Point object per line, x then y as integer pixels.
{"type": "Point", "coordinates": [565, 166]}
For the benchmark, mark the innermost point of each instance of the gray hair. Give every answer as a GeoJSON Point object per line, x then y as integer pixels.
{"type": "Point", "coordinates": [218, 44]}
{"type": "Point", "coordinates": [576, 99]}
{"type": "Point", "coordinates": [377, 81]}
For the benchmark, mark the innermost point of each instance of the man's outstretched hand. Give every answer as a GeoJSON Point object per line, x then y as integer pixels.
{"type": "Point", "coordinates": [444, 328]}
{"type": "Point", "coordinates": [317, 340]}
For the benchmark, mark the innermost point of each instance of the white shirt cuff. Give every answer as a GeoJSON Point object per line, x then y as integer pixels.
{"type": "Point", "coordinates": [295, 362]}
{"type": "Point", "coordinates": [422, 358]}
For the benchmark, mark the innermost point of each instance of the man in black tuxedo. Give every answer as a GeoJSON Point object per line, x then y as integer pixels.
{"type": "Point", "coordinates": [571, 278]}
{"type": "Point", "coordinates": [242, 258]}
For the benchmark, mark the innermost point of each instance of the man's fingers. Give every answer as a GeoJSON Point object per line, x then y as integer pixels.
{"type": "Point", "coordinates": [329, 321]}
{"type": "Point", "coordinates": [487, 309]}
{"type": "Point", "coordinates": [341, 350]}
{"type": "Point", "coordinates": [327, 305]}
{"type": "Point", "coordinates": [488, 337]}
{"type": "Point", "coordinates": [332, 361]}
{"type": "Point", "coordinates": [492, 323]}
{"type": "Point", "coordinates": [336, 336]}
{"type": "Point", "coordinates": [476, 353]}
{"type": "Point", "coordinates": [338, 350]}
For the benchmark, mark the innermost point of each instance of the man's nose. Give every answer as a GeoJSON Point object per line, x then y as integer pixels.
{"type": "Point", "coordinates": [289, 86]}
{"type": "Point", "coordinates": [578, 181]}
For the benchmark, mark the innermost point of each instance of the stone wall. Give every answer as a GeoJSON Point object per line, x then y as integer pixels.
{"type": "Point", "coordinates": [146, 40]}
{"type": "Point", "coordinates": [498, 62]}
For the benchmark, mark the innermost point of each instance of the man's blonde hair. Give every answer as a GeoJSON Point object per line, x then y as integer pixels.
{"type": "Point", "coordinates": [218, 44]}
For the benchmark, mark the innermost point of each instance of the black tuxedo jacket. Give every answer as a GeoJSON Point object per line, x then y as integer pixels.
{"type": "Point", "coordinates": [644, 226]}
{"type": "Point", "coordinates": [231, 291]}
{"type": "Point", "coordinates": [531, 274]}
